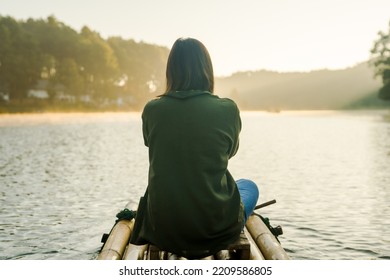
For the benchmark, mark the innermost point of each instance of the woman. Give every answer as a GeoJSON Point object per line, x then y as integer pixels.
{"type": "Point", "coordinates": [192, 206]}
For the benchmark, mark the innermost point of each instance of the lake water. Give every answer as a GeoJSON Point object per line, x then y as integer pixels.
{"type": "Point", "coordinates": [63, 178]}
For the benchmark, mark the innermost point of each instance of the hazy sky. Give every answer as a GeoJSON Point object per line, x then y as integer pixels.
{"type": "Point", "coordinates": [282, 35]}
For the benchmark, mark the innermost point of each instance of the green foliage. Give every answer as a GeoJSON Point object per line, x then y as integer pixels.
{"type": "Point", "coordinates": [69, 74]}
{"type": "Point", "coordinates": [78, 65]}
{"type": "Point", "coordinates": [381, 61]}
{"type": "Point", "coordinates": [139, 62]}
{"type": "Point", "coordinates": [19, 58]}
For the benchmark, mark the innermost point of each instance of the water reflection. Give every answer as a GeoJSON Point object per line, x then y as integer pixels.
{"type": "Point", "coordinates": [63, 177]}
{"type": "Point", "coordinates": [323, 169]}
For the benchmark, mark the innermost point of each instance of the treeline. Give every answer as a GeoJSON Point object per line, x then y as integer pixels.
{"type": "Point", "coordinates": [381, 61]}
{"type": "Point", "coordinates": [350, 88]}
{"type": "Point", "coordinates": [76, 67]}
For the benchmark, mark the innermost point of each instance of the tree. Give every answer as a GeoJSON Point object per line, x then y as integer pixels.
{"type": "Point", "coordinates": [99, 64]}
{"type": "Point", "coordinates": [141, 66]}
{"type": "Point", "coordinates": [19, 58]}
{"type": "Point", "coordinates": [380, 59]}
{"type": "Point", "coordinates": [69, 75]}
{"type": "Point", "coordinates": [59, 47]}
{"type": "Point", "coordinates": [80, 64]}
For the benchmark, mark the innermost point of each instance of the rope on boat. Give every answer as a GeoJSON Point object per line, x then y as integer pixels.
{"type": "Point", "coordinates": [125, 214]}
{"type": "Point", "coordinates": [276, 231]}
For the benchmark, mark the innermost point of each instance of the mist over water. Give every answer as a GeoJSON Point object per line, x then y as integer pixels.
{"type": "Point", "coordinates": [63, 178]}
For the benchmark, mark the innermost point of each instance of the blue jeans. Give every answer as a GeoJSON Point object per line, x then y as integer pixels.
{"type": "Point", "coordinates": [249, 193]}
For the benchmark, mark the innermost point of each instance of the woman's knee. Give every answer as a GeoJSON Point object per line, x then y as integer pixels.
{"type": "Point", "coordinates": [248, 186]}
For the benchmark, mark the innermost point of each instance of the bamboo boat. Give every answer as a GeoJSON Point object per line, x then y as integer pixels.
{"type": "Point", "coordinates": [256, 242]}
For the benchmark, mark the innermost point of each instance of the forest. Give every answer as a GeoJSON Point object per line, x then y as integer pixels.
{"type": "Point", "coordinates": [46, 64]}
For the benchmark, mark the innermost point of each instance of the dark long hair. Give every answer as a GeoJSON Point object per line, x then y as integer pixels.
{"type": "Point", "coordinates": [189, 67]}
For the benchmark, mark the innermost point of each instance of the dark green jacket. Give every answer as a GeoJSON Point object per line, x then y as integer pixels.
{"type": "Point", "coordinates": [192, 206]}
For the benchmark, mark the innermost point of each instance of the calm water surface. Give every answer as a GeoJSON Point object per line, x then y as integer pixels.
{"type": "Point", "coordinates": [63, 178]}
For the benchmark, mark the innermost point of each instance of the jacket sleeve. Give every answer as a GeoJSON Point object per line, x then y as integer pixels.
{"type": "Point", "coordinates": [145, 129]}
{"type": "Point", "coordinates": [236, 132]}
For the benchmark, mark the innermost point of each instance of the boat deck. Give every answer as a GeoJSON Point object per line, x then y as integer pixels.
{"type": "Point", "coordinates": [256, 243]}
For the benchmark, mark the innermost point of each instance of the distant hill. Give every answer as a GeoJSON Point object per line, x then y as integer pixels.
{"type": "Point", "coordinates": [317, 90]}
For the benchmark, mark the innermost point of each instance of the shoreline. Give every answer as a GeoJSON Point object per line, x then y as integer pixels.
{"type": "Point", "coordinates": [41, 107]}
{"type": "Point", "coordinates": [123, 110]}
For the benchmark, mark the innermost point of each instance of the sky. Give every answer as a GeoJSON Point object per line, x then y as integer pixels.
{"type": "Point", "coordinates": [241, 35]}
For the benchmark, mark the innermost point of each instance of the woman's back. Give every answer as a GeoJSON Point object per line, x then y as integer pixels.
{"type": "Point", "coordinates": [192, 206]}
{"type": "Point", "coordinates": [193, 202]}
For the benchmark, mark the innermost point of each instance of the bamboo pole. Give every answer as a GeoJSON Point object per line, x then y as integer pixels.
{"type": "Point", "coordinates": [255, 253]}
{"type": "Point", "coordinates": [223, 255]}
{"type": "Point", "coordinates": [117, 241]}
{"type": "Point", "coordinates": [135, 252]}
{"type": "Point", "coordinates": [265, 240]}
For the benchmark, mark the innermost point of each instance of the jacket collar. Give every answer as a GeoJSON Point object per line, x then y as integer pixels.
{"type": "Point", "coordinates": [185, 94]}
